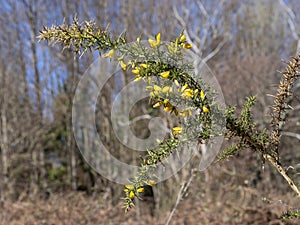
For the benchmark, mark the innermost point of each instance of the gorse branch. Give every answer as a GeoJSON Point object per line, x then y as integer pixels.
{"type": "Point", "coordinates": [167, 66]}
{"type": "Point", "coordinates": [81, 37]}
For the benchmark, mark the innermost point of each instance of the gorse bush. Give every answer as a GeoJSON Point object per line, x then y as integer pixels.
{"type": "Point", "coordinates": [173, 87]}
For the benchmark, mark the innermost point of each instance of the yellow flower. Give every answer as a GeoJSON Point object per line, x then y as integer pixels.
{"type": "Point", "coordinates": [157, 88]}
{"type": "Point", "coordinates": [151, 182]}
{"type": "Point", "coordinates": [131, 194]}
{"type": "Point", "coordinates": [129, 187]}
{"type": "Point", "coordinates": [165, 74]}
{"type": "Point", "coordinates": [136, 71]}
{"type": "Point", "coordinates": [158, 38]}
{"type": "Point", "coordinates": [154, 43]}
{"type": "Point", "coordinates": [182, 38]}
{"type": "Point", "coordinates": [123, 65]}
{"type": "Point", "coordinates": [149, 79]}
{"type": "Point", "coordinates": [157, 105]}
{"type": "Point", "coordinates": [168, 108]}
{"type": "Point", "coordinates": [110, 54]}
{"type": "Point", "coordinates": [205, 109]}
{"type": "Point", "coordinates": [183, 88]}
{"type": "Point", "coordinates": [188, 93]}
{"type": "Point", "coordinates": [137, 79]}
{"type": "Point", "coordinates": [166, 89]}
{"type": "Point", "coordinates": [144, 65]}
{"type": "Point", "coordinates": [177, 130]}
{"type": "Point", "coordinates": [202, 94]}
{"type": "Point", "coordinates": [140, 190]}
{"type": "Point", "coordinates": [187, 46]}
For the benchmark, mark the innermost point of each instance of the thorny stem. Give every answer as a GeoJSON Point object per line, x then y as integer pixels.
{"type": "Point", "coordinates": [284, 91]}
{"type": "Point", "coordinates": [257, 146]}
{"type": "Point", "coordinates": [280, 107]}
{"type": "Point", "coordinates": [275, 163]}
{"type": "Point", "coordinates": [290, 75]}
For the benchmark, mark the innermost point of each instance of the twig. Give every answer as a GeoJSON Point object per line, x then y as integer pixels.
{"type": "Point", "coordinates": [281, 170]}
{"type": "Point", "coordinates": [181, 192]}
{"type": "Point", "coordinates": [291, 134]}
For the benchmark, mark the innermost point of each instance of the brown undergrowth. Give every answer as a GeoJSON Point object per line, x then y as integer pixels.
{"type": "Point", "coordinates": [235, 205]}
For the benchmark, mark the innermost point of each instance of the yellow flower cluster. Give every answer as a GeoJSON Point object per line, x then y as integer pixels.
{"type": "Point", "coordinates": [161, 95]}
{"type": "Point", "coordinates": [168, 107]}
{"type": "Point", "coordinates": [186, 92]}
{"type": "Point", "coordinates": [137, 71]}
{"type": "Point", "coordinates": [132, 191]}
{"type": "Point", "coordinates": [181, 42]}
{"type": "Point", "coordinates": [156, 91]}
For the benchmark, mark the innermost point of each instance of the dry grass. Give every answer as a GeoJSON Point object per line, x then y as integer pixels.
{"type": "Point", "coordinates": [240, 206]}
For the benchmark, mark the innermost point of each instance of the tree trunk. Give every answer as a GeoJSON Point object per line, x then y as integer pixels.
{"type": "Point", "coordinates": [4, 141]}
{"type": "Point", "coordinates": [38, 155]}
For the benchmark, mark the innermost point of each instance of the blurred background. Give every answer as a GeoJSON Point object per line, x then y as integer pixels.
{"type": "Point", "coordinates": [45, 180]}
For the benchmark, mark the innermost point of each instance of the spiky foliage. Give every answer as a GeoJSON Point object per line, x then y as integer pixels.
{"type": "Point", "coordinates": [281, 100]}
